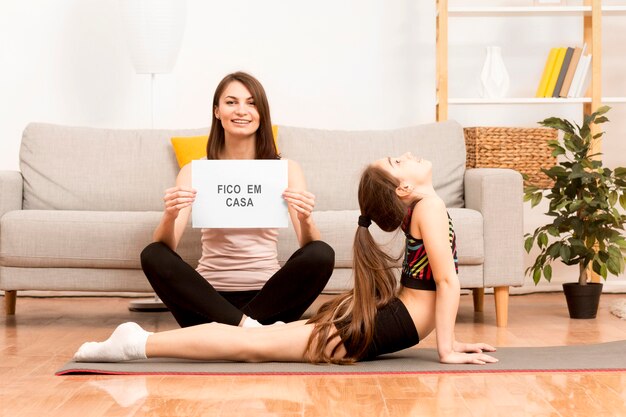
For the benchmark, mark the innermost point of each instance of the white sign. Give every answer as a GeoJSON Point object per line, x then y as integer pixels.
{"type": "Point", "coordinates": [239, 193]}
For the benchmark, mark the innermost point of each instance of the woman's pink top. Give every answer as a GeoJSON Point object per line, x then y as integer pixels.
{"type": "Point", "coordinates": [238, 259]}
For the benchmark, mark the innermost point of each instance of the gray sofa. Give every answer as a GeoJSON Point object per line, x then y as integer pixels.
{"type": "Point", "coordinates": [86, 201]}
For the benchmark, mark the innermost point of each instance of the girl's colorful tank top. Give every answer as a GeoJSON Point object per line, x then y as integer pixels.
{"type": "Point", "coordinates": [416, 271]}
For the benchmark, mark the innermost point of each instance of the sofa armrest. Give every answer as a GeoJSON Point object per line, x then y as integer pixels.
{"type": "Point", "coordinates": [498, 194]}
{"type": "Point", "coordinates": [11, 191]}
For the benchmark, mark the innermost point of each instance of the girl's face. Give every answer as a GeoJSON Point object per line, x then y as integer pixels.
{"type": "Point", "coordinates": [407, 169]}
{"type": "Point", "coordinates": [237, 111]}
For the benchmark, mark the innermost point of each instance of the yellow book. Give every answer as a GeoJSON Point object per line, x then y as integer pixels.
{"type": "Point", "coordinates": [554, 76]}
{"type": "Point", "coordinates": [547, 72]}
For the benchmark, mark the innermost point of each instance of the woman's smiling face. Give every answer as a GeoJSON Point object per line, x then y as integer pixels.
{"type": "Point", "coordinates": [237, 111]}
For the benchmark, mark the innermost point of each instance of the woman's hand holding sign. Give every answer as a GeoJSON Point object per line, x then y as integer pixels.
{"type": "Point", "coordinates": [302, 202]}
{"type": "Point", "coordinates": [178, 198]}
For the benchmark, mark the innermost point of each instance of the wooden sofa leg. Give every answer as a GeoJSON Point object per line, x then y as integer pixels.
{"type": "Point", "coordinates": [479, 299]}
{"type": "Point", "coordinates": [502, 305]}
{"type": "Point", "coordinates": [9, 302]}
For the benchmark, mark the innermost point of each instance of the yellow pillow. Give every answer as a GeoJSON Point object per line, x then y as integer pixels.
{"type": "Point", "coordinates": [194, 147]}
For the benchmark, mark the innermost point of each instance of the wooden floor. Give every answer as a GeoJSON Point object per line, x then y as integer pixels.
{"type": "Point", "coordinates": [46, 331]}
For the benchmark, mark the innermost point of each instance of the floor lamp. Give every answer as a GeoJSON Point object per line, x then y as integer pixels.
{"type": "Point", "coordinates": [154, 32]}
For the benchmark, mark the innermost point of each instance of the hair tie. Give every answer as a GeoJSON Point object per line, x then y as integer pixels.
{"type": "Point", "coordinates": [364, 221]}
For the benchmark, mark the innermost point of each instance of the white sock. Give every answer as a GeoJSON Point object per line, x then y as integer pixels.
{"type": "Point", "coordinates": [126, 343]}
{"type": "Point", "coordinates": [250, 322]}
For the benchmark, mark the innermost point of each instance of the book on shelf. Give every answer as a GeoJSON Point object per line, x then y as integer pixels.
{"type": "Point", "coordinates": [554, 75]}
{"type": "Point", "coordinates": [585, 77]}
{"type": "Point", "coordinates": [573, 90]}
{"type": "Point", "coordinates": [571, 69]}
{"type": "Point", "coordinates": [547, 72]}
{"type": "Point", "coordinates": [577, 73]}
{"type": "Point", "coordinates": [562, 71]}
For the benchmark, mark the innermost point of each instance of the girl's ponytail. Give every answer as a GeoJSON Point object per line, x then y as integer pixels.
{"type": "Point", "coordinates": [353, 314]}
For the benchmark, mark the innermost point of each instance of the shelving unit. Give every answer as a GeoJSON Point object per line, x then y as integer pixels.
{"type": "Point", "coordinates": [591, 13]}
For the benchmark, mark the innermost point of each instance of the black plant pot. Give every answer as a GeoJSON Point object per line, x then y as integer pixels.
{"type": "Point", "coordinates": [582, 300]}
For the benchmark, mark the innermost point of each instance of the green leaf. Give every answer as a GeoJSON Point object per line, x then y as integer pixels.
{"type": "Point", "coordinates": [613, 266]}
{"type": "Point", "coordinates": [559, 124]}
{"type": "Point", "coordinates": [528, 243]}
{"type": "Point", "coordinates": [554, 250]}
{"type": "Point", "coordinates": [602, 119]}
{"type": "Point", "coordinates": [531, 188]}
{"type": "Point", "coordinates": [575, 205]}
{"type": "Point", "coordinates": [553, 231]}
{"type": "Point", "coordinates": [601, 110]}
{"type": "Point", "coordinates": [547, 272]}
{"type": "Point", "coordinates": [622, 201]}
{"type": "Point", "coordinates": [604, 257]}
{"type": "Point", "coordinates": [615, 252]}
{"type": "Point", "coordinates": [542, 240]}
{"type": "Point", "coordinates": [564, 253]}
{"type": "Point", "coordinates": [620, 171]}
{"type": "Point", "coordinates": [536, 275]}
{"type": "Point", "coordinates": [596, 267]}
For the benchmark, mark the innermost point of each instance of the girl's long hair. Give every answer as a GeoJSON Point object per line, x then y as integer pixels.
{"type": "Point", "coordinates": [265, 145]}
{"type": "Point", "coordinates": [353, 314]}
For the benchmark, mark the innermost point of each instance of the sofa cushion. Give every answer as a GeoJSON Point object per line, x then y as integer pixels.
{"type": "Point", "coordinates": [189, 148]}
{"type": "Point", "coordinates": [82, 239]}
{"type": "Point", "coordinates": [338, 227]}
{"type": "Point", "coordinates": [79, 168]}
{"type": "Point", "coordinates": [333, 174]}
{"type": "Point", "coordinates": [74, 279]}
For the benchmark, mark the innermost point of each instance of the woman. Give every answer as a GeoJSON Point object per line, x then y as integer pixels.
{"type": "Point", "coordinates": [372, 319]}
{"type": "Point", "coordinates": [238, 280]}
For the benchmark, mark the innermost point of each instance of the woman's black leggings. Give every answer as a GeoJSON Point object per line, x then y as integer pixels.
{"type": "Point", "coordinates": [285, 296]}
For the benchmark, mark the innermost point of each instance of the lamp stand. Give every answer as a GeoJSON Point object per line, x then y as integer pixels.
{"type": "Point", "coordinates": [155, 303]}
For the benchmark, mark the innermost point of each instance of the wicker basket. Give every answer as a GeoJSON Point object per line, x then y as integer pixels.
{"type": "Point", "coordinates": [522, 149]}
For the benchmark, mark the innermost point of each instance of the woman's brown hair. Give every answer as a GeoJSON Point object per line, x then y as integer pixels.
{"type": "Point", "coordinates": [265, 145]}
{"type": "Point", "coordinates": [353, 314]}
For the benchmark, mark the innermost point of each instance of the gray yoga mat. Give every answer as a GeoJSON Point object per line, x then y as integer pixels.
{"type": "Point", "coordinates": [595, 357]}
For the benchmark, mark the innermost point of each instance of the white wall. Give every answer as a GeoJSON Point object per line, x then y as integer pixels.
{"type": "Point", "coordinates": [350, 64]}
{"type": "Point", "coordinates": [336, 64]}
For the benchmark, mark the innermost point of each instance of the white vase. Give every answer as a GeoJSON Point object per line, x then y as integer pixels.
{"type": "Point", "coordinates": [494, 76]}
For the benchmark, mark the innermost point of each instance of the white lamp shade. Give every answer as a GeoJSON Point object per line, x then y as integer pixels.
{"type": "Point", "coordinates": [154, 30]}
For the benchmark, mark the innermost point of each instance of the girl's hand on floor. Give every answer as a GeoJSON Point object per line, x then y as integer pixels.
{"type": "Point", "coordinates": [472, 347]}
{"type": "Point", "coordinates": [470, 358]}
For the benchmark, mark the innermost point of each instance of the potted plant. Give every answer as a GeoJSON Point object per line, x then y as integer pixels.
{"type": "Point", "coordinates": [586, 229]}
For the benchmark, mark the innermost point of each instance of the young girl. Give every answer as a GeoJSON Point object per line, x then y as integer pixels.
{"type": "Point", "coordinates": [238, 280]}
{"type": "Point", "coordinates": [372, 319]}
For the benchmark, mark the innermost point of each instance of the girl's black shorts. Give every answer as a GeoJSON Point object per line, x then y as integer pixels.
{"type": "Point", "coordinates": [394, 330]}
